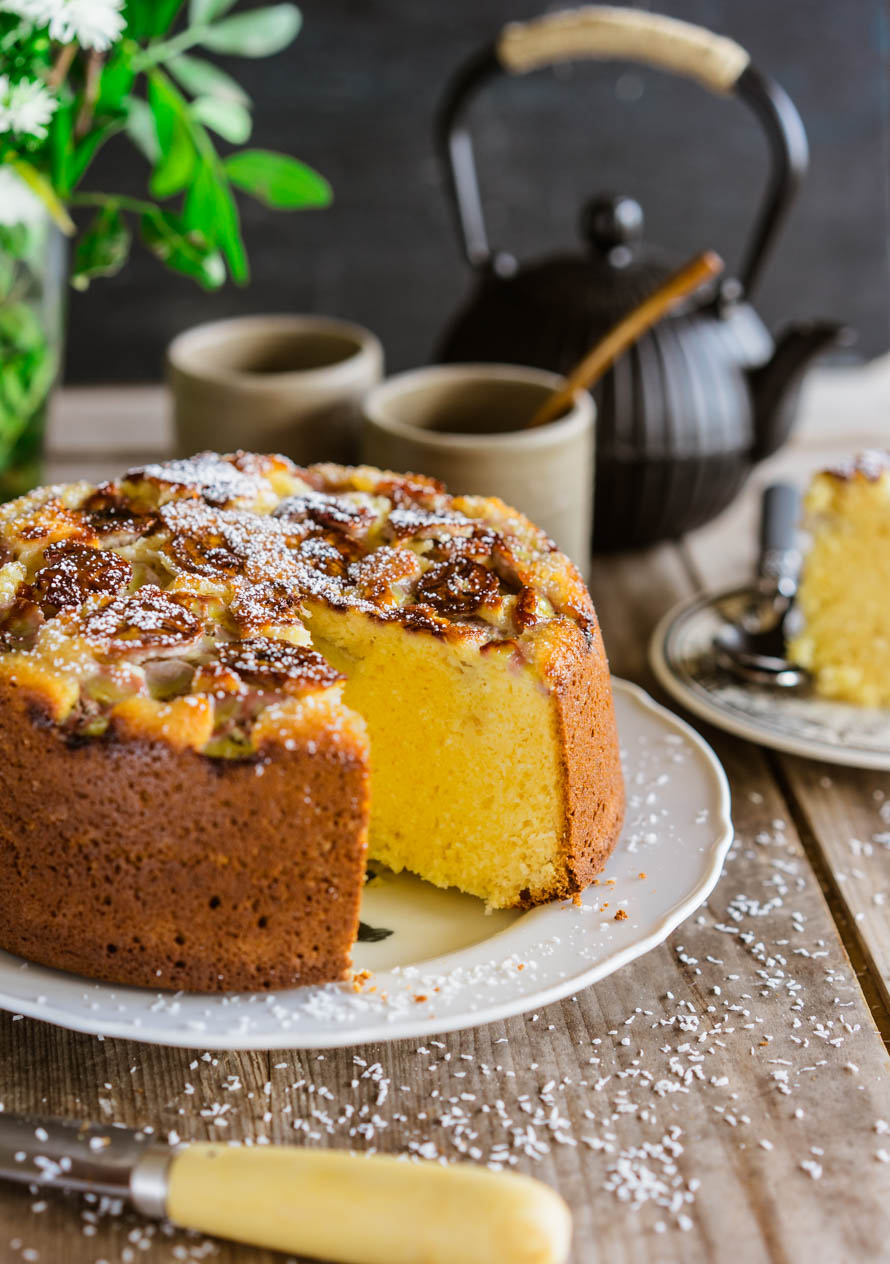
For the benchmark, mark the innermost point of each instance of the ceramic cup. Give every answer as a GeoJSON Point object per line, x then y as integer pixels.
{"type": "Point", "coordinates": [462, 423]}
{"type": "Point", "coordinates": [291, 384]}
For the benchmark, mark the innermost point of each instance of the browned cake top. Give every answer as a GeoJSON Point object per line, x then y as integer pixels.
{"type": "Point", "coordinates": [172, 600]}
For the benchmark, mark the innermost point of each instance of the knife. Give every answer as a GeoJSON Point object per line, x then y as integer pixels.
{"type": "Point", "coordinates": [327, 1204]}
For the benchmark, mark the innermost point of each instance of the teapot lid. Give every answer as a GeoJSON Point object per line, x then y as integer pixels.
{"type": "Point", "coordinates": [616, 273]}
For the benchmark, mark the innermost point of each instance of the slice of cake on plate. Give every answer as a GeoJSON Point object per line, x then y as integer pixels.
{"type": "Point", "coordinates": [226, 681]}
{"type": "Point", "coordinates": [844, 595]}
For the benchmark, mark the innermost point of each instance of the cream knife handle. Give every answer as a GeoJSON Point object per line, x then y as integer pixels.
{"type": "Point", "coordinates": [354, 1210]}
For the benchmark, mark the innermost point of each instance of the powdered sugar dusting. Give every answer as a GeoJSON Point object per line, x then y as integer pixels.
{"type": "Point", "coordinates": [871, 463]}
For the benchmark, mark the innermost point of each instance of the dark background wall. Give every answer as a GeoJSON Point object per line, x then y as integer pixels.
{"type": "Point", "coordinates": [355, 95]}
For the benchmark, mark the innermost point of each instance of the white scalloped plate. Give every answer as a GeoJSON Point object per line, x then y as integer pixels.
{"type": "Point", "coordinates": [448, 965]}
{"type": "Point", "coordinates": [682, 658]}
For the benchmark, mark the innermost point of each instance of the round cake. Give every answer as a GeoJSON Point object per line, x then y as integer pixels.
{"type": "Point", "coordinates": [226, 682]}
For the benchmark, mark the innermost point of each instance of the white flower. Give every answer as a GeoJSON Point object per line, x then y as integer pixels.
{"type": "Point", "coordinates": [92, 23]}
{"type": "Point", "coordinates": [25, 107]}
{"type": "Point", "coordinates": [18, 205]}
{"type": "Point", "coordinates": [36, 11]}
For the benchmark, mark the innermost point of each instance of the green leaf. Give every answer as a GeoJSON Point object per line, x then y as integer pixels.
{"type": "Point", "coordinates": [201, 11]}
{"type": "Point", "coordinates": [140, 127]}
{"type": "Point", "coordinates": [176, 160]}
{"type": "Point", "coordinates": [228, 118]}
{"type": "Point", "coordinates": [183, 248]}
{"type": "Point", "coordinates": [20, 328]}
{"type": "Point", "coordinates": [13, 240]}
{"type": "Point", "coordinates": [60, 145]}
{"type": "Point", "coordinates": [371, 934]}
{"type": "Point", "coordinates": [103, 249]}
{"type": "Point", "coordinates": [116, 81]}
{"type": "Point", "coordinates": [7, 276]}
{"type": "Point", "coordinates": [29, 367]}
{"type": "Point", "coordinates": [146, 19]}
{"type": "Point", "coordinates": [203, 79]}
{"type": "Point", "coordinates": [210, 208]}
{"type": "Point", "coordinates": [281, 182]}
{"type": "Point", "coordinates": [258, 33]}
{"type": "Point", "coordinates": [39, 184]}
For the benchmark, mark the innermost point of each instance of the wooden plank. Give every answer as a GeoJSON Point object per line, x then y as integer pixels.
{"type": "Point", "coordinates": [716, 1101]}
{"type": "Point", "coordinates": [630, 593]}
{"type": "Point", "coordinates": [93, 421]}
{"type": "Point", "coordinates": [847, 810]}
{"type": "Point", "coordinates": [92, 468]}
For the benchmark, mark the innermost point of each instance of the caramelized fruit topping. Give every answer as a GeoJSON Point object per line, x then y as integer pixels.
{"type": "Point", "coordinates": [52, 521]}
{"type": "Point", "coordinates": [148, 621]}
{"type": "Point", "coordinates": [277, 665]}
{"type": "Point", "coordinates": [377, 576]}
{"type": "Point", "coordinates": [20, 624]}
{"type": "Point", "coordinates": [460, 587]}
{"type": "Point", "coordinates": [72, 573]}
{"type": "Point", "coordinates": [211, 555]}
{"type": "Point", "coordinates": [208, 476]}
{"type": "Point", "coordinates": [256, 605]}
{"type": "Point", "coordinates": [108, 512]}
{"type": "Point", "coordinates": [330, 513]}
{"type": "Point", "coordinates": [330, 554]}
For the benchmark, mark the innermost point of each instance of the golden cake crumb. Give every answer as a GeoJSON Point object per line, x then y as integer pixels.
{"type": "Point", "coordinates": [844, 595]}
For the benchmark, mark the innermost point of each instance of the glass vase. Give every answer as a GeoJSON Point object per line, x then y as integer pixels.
{"type": "Point", "coordinates": [32, 286]}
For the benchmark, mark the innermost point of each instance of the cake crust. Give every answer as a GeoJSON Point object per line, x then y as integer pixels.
{"type": "Point", "coordinates": [594, 797]}
{"type": "Point", "coordinates": [131, 860]}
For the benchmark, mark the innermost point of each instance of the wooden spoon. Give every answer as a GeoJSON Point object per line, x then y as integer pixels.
{"type": "Point", "coordinates": [621, 336]}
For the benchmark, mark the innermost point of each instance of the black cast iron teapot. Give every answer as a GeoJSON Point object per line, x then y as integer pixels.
{"type": "Point", "coordinates": [698, 400]}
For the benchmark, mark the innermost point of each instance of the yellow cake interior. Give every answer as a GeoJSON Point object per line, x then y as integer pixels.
{"type": "Point", "coordinates": [844, 596]}
{"type": "Point", "coordinates": [477, 730]}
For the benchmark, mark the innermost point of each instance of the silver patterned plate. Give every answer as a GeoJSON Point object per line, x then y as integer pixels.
{"type": "Point", "coordinates": [790, 720]}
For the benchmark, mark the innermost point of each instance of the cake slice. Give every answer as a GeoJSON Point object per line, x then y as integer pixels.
{"type": "Point", "coordinates": [844, 595]}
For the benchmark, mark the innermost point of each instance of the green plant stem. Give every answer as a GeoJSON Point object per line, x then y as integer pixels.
{"type": "Point", "coordinates": [157, 53]}
{"type": "Point", "coordinates": [95, 62]}
{"type": "Point", "coordinates": [61, 66]}
{"type": "Point", "coordinates": [136, 205]}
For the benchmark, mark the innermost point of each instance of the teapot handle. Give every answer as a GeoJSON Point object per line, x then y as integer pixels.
{"type": "Point", "coordinates": [601, 31]}
{"type": "Point", "coordinates": [605, 32]}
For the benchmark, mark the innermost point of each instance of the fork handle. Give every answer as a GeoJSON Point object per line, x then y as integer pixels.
{"type": "Point", "coordinates": [779, 561]}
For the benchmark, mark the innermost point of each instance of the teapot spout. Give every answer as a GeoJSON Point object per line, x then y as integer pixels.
{"type": "Point", "coordinates": [775, 385]}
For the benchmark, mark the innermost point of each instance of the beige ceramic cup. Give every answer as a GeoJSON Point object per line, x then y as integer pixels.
{"type": "Point", "coordinates": [291, 384]}
{"type": "Point", "coordinates": [462, 423]}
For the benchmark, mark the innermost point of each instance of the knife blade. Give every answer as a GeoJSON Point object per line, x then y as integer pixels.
{"type": "Point", "coordinates": [113, 1160]}
{"type": "Point", "coordinates": [328, 1204]}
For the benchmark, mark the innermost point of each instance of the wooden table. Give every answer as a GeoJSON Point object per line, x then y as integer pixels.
{"type": "Point", "coordinates": [725, 1098]}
